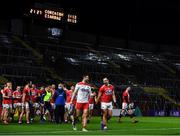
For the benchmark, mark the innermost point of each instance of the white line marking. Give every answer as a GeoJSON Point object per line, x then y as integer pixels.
{"type": "Point", "coordinates": [71, 131]}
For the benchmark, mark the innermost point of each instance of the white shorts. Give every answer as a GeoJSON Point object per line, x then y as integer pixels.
{"type": "Point", "coordinates": [36, 105]}
{"type": "Point", "coordinates": [7, 106]}
{"type": "Point", "coordinates": [91, 106]}
{"type": "Point", "coordinates": [67, 106]}
{"type": "Point", "coordinates": [106, 106]}
{"type": "Point", "coordinates": [53, 106]}
{"type": "Point", "coordinates": [25, 105]}
{"type": "Point", "coordinates": [17, 105]}
{"type": "Point", "coordinates": [124, 106]}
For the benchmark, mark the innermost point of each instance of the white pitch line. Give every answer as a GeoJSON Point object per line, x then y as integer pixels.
{"type": "Point", "coordinates": [71, 131]}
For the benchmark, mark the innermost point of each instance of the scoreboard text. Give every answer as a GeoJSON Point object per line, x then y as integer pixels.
{"type": "Point", "coordinates": [53, 15]}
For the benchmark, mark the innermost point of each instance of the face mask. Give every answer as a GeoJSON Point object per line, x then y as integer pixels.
{"type": "Point", "coordinates": [59, 87]}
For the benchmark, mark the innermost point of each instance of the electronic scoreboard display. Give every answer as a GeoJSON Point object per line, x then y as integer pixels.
{"type": "Point", "coordinates": [58, 15]}
{"type": "Point", "coordinates": [49, 21]}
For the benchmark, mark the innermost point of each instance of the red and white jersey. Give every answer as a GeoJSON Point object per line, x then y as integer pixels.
{"type": "Point", "coordinates": [27, 91]}
{"type": "Point", "coordinates": [9, 93]}
{"type": "Point", "coordinates": [68, 95]}
{"type": "Point", "coordinates": [107, 93]}
{"type": "Point", "coordinates": [125, 97]}
{"type": "Point", "coordinates": [17, 96]}
{"type": "Point", "coordinates": [83, 92]}
{"type": "Point", "coordinates": [34, 95]}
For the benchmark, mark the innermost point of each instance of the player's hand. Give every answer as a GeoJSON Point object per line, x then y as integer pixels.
{"type": "Point", "coordinates": [96, 101]}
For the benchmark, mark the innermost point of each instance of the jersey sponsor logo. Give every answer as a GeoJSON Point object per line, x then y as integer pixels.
{"type": "Point", "coordinates": [33, 93]}
{"type": "Point", "coordinates": [85, 90]}
{"type": "Point", "coordinates": [108, 92]}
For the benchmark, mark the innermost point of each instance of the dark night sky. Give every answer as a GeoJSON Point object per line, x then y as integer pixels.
{"type": "Point", "coordinates": [142, 20]}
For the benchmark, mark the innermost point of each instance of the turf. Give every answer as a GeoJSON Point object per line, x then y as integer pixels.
{"type": "Point", "coordinates": [146, 126]}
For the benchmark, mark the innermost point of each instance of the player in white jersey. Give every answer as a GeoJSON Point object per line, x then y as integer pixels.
{"type": "Point", "coordinates": [83, 91]}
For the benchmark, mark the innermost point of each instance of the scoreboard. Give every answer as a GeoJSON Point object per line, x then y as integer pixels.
{"type": "Point", "coordinates": [51, 14]}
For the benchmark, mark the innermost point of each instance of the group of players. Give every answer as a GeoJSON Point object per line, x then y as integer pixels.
{"type": "Point", "coordinates": [80, 100]}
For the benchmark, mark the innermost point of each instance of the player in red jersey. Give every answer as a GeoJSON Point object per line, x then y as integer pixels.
{"type": "Point", "coordinates": [91, 105]}
{"type": "Point", "coordinates": [7, 102]}
{"type": "Point", "coordinates": [68, 105]}
{"type": "Point", "coordinates": [35, 105]}
{"type": "Point", "coordinates": [83, 91]}
{"type": "Point", "coordinates": [2, 113]}
{"type": "Point", "coordinates": [127, 106]}
{"type": "Point", "coordinates": [53, 89]}
{"type": "Point", "coordinates": [107, 96]}
{"type": "Point", "coordinates": [26, 103]}
{"type": "Point", "coordinates": [17, 100]}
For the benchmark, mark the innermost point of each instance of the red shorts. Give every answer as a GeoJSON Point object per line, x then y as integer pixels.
{"type": "Point", "coordinates": [82, 106]}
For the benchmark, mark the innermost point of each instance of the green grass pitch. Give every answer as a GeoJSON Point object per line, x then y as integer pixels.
{"type": "Point", "coordinates": [146, 126]}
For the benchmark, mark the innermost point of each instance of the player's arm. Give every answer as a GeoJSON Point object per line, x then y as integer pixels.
{"type": "Point", "coordinates": [14, 96]}
{"type": "Point", "coordinates": [99, 95]}
{"type": "Point", "coordinates": [4, 94]}
{"type": "Point", "coordinates": [23, 97]}
{"type": "Point", "coordinates": [74, 93]}
{"type": "Point", "coordinates": [128, 97]}
{"type": "Point", "coordinates": [114, 97]}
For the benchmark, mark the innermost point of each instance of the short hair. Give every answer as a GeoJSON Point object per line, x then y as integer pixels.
{"type": "Point", "coordinates": [84, 75]}
{"type": "Point", "coordinates": [105, 78]}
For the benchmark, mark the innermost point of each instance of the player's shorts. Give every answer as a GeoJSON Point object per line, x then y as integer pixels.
{"type": "Point", "coordinates": [82, 106]}
{"type": "Point", "coordinates": [53, 106]}
{"type": "Point", "coordinates": [70, 109]}
{"type": "Point", "coordinates": [25, 105]}
{"type": "Point", "coordinates": [47, 106]}
{"type": "Point", "coordinates": [17, 105]}
{"type": "Point", "coordinates": [7, 106]}
{"type": "Point", "coordinates": [67, 106]}
{"type": "Point", "coordinates": [124, 106]}
{"type": "Point", "coordinates": [91, 106]}
{"type": "Point", "coordinates": [36, 105]}
{"type": "Point", "coordinates": [106, 106]}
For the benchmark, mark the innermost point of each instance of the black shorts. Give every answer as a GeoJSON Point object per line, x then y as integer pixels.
{"type": "Point", "coordinates": [47, 106]}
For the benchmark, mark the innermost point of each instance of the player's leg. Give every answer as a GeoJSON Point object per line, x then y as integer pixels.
{"type": "Point", "coordinates": [131, 113]}
{"type": "Point", "coordinates": [42, 111]}
{"type": "Point", "coordinates": [57, 114]}
{"type": "Point", "coordinates": [5, 115]}
{"type": "Point", "coordinates": [91, 107]}
{"type": "Point", "coordinates": [52, 112]}
{"type": "Point", "coordinates": [110, 108]}
{"type": "Point", "coordinates": [73, 117]}
{"type": "Point", "coordinates": [104, 110]}
{"type": "Point", "coordinates": [123, 111]}
{"type": "Point", "coordinates": [62, 111]}
{"type": "Point", "coordinates": [104, 118]}
{"type": "Point", "coordinates": [11, 113]}
{"type": "Point", "coordinates": [19, 110]}
{"type": "Point", "coordinates": [2, 113]}
{"type": "Point", "coordinates": [49, 111]}
{"type": "Point", "coordinates": [66, 112]}
{"type": "Point", "coordinates": [32, 111]}
{"type": "Point", "coordinates": [77, 113]}
{"type": "Point", "coordinates": [109, 114]}
{"type": "Point", "coordinates": [84, 119]}
{"type": "Point", "coordinates": [46, 110]}
{"type": "Point", "coordinates": [22, 113]}
{"type": "Point", "coordinates": [71, 113]}
{"type": "Point", "coordinates": [27, 109]}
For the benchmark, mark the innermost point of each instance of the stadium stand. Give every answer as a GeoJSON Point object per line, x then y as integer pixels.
{"type": "Point", "coordinates": [21, 63]}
